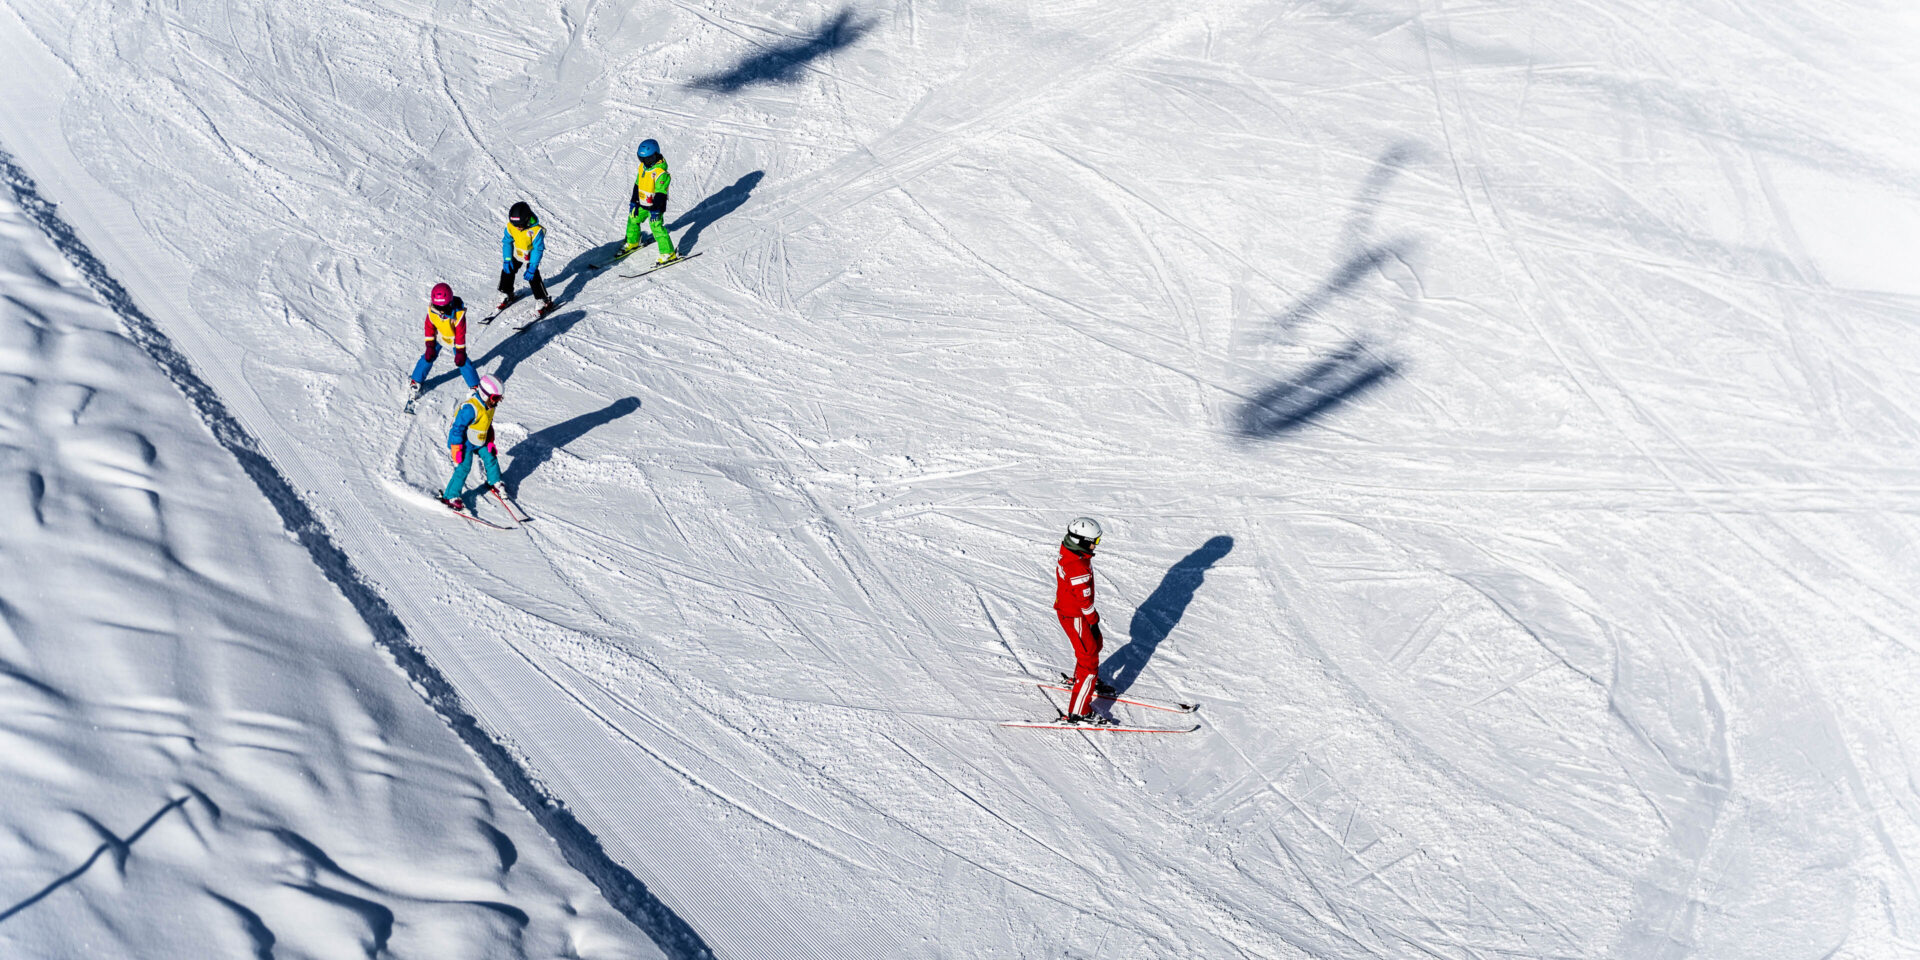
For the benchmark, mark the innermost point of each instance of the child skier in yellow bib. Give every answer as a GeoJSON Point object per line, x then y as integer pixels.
{"type": "Point", "coordinates": [471, 438]}
{"type": "Point", "coordinates": [647, 207]}
{"type": "Point", "coordinates": [445, 323]}
{"type": "Point", "coordinates": [523, 243]}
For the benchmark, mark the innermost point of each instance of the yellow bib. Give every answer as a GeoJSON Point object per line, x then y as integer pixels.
{"type": "Point", "coordinates": [523, 240]}
{"type": "Point", "coordinates": [648, 175]}
{"type": "Point", "coordinates": [444, 326]}
{"type": "Point", "coordinates": [482, 424]}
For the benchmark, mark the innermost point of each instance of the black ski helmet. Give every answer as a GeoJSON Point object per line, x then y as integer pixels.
{"type": "Point", "coordinates": [520, 215]}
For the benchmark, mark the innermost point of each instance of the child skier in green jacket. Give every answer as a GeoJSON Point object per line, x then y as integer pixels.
{"type": "Point", "coordinates": [647, 207]}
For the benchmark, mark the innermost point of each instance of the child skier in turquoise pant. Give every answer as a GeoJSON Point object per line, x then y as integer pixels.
{"type": "Point", "coordinates": [471, 438]}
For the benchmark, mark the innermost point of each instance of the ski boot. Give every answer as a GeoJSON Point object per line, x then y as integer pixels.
{"type": "Point", "coordinates": [666, 258]}
{"type": "Point", "coordinates": [1101, 688]}
{"type": "Point", "coordinates": [546, 307]}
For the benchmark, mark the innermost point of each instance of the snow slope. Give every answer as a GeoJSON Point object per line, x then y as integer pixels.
{"type": "Point", "coordinates": [203, 753]}
{"type": "Point", "coordinates": [1502, 416]}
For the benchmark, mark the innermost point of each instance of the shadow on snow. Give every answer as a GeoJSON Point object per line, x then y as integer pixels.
{"type": "Point", "coordinates": [1357, 366]}
{"type": "Point", "coordinates": [1296, 400]}
{"type": "Point", "coordinates": [1162, 610]}
{"type": "Point", "coordinates": [120, 847]}
{"type": "Point", "coordinates": [783, 62]}
{"type": "Point", "coordinates": [588, 264]}
{"type": "Point", "coordinates": [510, 350]}
{"type": "Point", "coordinates": [581, 269]}
{"type": "Point", "coordinates": [528, 455]}
{"type": "Point", "coordinates": [713, 208]}
{"type": "Point", "coordinates": [516, 347]}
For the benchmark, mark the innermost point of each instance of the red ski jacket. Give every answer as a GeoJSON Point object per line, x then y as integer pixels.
{"type": "Point", "coordinates": [1073, 586]}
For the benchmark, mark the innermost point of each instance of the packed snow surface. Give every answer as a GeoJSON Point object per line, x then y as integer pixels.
{"type": "Point", "coordinates": [1502, 416]}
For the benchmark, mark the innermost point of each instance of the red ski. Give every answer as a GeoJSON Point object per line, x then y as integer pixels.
{"type": "Point", "coordinates": [1171, 706]}
{"type": "Point", "coordinates": [1094, 727]}
{"type": "Point", "coordinates": [1064, 684]}
{"type": "Point", "coordinates": [511, 512]}
{"type": "Point", "coordinates": [463, 513]}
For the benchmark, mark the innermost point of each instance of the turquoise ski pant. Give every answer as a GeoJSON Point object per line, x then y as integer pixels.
{"type": "Point", "coordinates": [458, 484]}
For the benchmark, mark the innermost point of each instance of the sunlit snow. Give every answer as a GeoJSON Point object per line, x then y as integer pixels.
{"type": "Point", "coordinates": [1501, 415]}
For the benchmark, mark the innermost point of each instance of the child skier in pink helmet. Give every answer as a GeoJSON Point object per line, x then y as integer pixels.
{"type": "Point", "coordinates": [446, 323]}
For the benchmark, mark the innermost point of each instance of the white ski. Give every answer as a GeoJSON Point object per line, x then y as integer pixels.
{"type": "Point", "coordinates": [662, 266]}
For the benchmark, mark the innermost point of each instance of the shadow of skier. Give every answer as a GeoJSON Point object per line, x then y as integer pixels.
{"type": "Point", "coordinates": [713, 208]}
{"type": "Point", "coordinates": [515, 347]}
{"type": "Point", "coordinates": [1161, 612]}
{"type": "Point", "coordinates": [580, 269]}
{"type": "Point", "coordinates": [528, 455]}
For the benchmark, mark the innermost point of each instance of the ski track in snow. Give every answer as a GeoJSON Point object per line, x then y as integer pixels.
{"type": "Point", "coordinates": [1571, 498]}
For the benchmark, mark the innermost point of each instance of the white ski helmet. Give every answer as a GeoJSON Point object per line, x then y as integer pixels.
{"type": "Point", "coordinates": [1082, 534]}
{"type": "Point", "coordinates": [489, 388]}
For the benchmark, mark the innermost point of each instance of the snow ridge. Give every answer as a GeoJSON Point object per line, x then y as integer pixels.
{"type": "Point", "coordinates": [581, 848]}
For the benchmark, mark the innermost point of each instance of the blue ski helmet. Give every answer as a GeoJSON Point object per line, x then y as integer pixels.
{"type": "Point", "coordinates": [648, 148]}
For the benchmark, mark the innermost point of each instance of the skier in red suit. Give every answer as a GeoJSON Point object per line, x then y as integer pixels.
{"type": "Point", "coordinates": [1073, 602]}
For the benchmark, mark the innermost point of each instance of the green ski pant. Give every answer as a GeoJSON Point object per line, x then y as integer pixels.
{"type": "Point", "coordinates": [642, 219]}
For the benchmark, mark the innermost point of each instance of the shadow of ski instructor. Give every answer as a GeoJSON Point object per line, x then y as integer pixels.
{"type": "Point", "coordinates": [1161, 612]}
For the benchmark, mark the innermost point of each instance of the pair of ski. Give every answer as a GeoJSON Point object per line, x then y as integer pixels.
{"type": "Point", "coordinates": [545, 310]}
{"type": "Point", "coordinates": [1064, 684]}
{"type": "Point", "coordinates": [538, 315]}
{"type": "Point", "coordinates": [460, 510]}
{"type": "Point", "coordinates": [658, 266]}
{"type": "Point", "coordinates": [661, 266]}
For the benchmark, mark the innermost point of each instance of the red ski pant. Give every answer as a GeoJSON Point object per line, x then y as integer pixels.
{"type": "Point", "coordinates": [1086, 662]}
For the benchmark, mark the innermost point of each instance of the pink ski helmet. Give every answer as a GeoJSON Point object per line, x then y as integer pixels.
{"type": "Point", "coordinates": [489, 389]}
{"type": "Point", "coordinates": [442, 295]}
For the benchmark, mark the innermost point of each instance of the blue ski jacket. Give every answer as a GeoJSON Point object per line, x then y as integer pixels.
{"type": "Point", "coordinates": [457, 434]}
